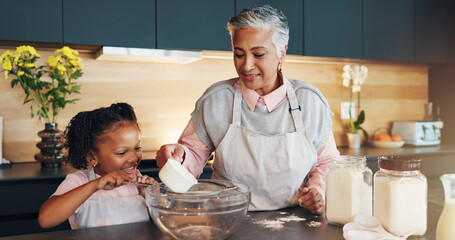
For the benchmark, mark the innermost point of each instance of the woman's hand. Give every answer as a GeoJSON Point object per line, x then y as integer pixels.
{"type": "Point", "coordinates": [112, 180]}
{"type": "Point", "coordinates": [312, 200]}
{"type": "Point", "coordinates": [175, 151]}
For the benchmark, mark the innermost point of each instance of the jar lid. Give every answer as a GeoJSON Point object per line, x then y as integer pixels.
{"type": "Point", "coordinates": [399, 163]}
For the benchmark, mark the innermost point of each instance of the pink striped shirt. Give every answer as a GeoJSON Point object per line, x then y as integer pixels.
{"type": "Point", "coordinates": [197, 153]}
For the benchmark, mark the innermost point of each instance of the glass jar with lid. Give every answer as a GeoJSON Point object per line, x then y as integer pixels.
{"type": "Point", "coordinates": [400, 195]}
{"type": "Point", "coordinates": [348, 189]}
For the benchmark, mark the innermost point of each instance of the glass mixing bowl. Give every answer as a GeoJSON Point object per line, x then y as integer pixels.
{"type": "Point", "coordinates": [211, 209]}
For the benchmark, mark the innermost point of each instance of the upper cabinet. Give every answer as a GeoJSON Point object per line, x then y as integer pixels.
{"type": "Point", "coordinates": [109, 22]}
{"type": "Point", "coordinates": [333, 28]}
{"type": "Point", "coordinates": [30, 20]}
{"type": "Point", "coordinates": [183, 24]}
{"type": "Point", "coordinates": [292, 9]}
{"type": "Point", "coordinates": [431, 31]}
{"type": "Point", "coordinates": [388, 30]}
{"type": "Point", "coordinates": [394, 30]}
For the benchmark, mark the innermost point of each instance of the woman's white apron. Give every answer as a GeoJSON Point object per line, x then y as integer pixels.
{"type": "Point", "coordinates": [102, 211]}
{"type": "Point", "coordinates": [273, 166]}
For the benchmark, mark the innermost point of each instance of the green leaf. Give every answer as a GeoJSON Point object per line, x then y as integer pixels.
{"type": "Point", "coordinates": [365, 134]}
{"type": "Point", "coordinates": [360, 119]}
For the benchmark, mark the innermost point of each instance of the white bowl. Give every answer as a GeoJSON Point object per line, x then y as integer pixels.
{"type": "Point", "coordinates": [176, 177]}
{"type": "Point", "coordinates": [392, 144]}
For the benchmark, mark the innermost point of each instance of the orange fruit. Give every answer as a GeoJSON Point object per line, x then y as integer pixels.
{"type": "Point", "coordinates": [396, 138]}
{"type": "Point", "coordinates": [383, 137]}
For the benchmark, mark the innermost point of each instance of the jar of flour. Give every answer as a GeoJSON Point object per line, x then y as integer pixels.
{"type": "Point", "coordinates": [400, 195]}
{"type": "Point", "coordinates": [348, 189]}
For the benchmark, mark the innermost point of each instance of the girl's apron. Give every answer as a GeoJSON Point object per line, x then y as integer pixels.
{"type": "Point", "coordinates": [273, 166]}
{"type": "Point", "coordinates": [103, 211]}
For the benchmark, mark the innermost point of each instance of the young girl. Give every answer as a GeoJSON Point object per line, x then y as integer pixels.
{"type": "Point", "coordinates": [107, 142]}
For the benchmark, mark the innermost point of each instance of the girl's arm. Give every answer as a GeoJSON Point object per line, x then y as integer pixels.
{"type": "Point", "coordinates": [58, 209]}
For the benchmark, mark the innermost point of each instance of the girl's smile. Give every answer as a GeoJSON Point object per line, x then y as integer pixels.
{"type": "Point", "coordinates": [119, 149]}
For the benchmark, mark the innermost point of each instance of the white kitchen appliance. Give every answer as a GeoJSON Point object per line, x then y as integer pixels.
{"type": "Point", "coordinates": [418, 133]}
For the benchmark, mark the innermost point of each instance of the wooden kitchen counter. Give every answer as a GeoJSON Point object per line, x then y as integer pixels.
{"type": "Point", "coordinates": [305, 226]}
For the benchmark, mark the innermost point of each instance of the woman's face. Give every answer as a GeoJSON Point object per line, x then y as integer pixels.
{"type": "Point", "coordinates": [120, 149]}
{"type": "Point", "coordinates": [255, 59]}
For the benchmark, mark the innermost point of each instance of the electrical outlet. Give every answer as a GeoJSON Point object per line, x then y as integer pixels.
{"type": "Point", "coordinates": [344, 113]}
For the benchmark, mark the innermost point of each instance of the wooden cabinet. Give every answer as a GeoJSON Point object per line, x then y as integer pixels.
{"type": "Point", "coordinates": [333, 28]}
{"type": "Point", "coordinates": [109, 22]}
{"type": "Point", "coordinates": [292, 9]}
{"type": "Point", "coordinates": [30, 20]}
{"type": "Point", "coordinates": [431, 37]}
{"type": "Point", "coordinates": [388, 30]}
{"type": "Point", "coordinates": [201, 24]}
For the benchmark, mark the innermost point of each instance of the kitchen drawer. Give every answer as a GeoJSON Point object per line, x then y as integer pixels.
{"type": "Point", "coordinates": [25, 197]}
{"type": "Point", "coordinates": [26, 226]}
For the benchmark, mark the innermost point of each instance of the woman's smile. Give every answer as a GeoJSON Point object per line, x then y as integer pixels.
{"type": "Point", "coordinates": [250, 77]}
{"type": "Point", "coordinates": [255, 59]}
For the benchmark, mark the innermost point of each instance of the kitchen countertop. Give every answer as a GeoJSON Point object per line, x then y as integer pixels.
{"type": "Point", "coordinates": [370, 151]}
{"type": "Point", "coordinates": [32, 170]}
{"type": "Point", "coordinates": [305, 227]}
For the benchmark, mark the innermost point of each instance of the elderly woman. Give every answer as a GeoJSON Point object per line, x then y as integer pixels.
{"type": "Point", "coordinates": [269, 132]}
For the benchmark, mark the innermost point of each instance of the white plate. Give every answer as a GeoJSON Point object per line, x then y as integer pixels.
{"type": "Point", "coordinates": [393, 144]}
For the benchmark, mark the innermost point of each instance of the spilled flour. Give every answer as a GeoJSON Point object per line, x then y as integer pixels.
{"type": "Point", "coordinates": [278, 224]}
{"type": "Point", "coordinates": [313, 224]}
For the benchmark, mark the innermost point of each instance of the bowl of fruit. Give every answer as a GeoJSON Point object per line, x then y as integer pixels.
{"type": "Point", "coordinates": [383, 139]}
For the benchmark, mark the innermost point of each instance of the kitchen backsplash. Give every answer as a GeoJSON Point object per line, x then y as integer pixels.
{"type": "Point", "coordinates": [164, 95]}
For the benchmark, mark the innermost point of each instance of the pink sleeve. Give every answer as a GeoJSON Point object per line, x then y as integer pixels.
{"type": "Point", "coordinates": [316, 178]}
{"type": "Point", "coordinates": [72, 181]}
{"type": "Point", "coordinates": [196, 152]}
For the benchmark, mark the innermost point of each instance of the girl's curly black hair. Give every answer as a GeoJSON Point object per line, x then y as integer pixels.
{"type": "Point", "coordinates": [86, 130]}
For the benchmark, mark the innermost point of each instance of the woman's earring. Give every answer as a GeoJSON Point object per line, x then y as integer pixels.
{"type": "Point", "coordinates": [279, 67]}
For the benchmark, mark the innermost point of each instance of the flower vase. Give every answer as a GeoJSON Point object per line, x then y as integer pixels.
{"type": "Point", "coordinates": [354, 140]}
{"type": "Point", "coordinates": [51, 145]}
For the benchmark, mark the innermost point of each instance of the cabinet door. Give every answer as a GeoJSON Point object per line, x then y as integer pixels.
{"type": "Point", "coordinates": [292, 9]}
{"type": "Point", "coordinates": [31, 20]}
{"type": "Point", "coordinates": [333, 28]}
{"type": "Point", "coordinates": [389, 30]}
{"type": "Point", "coordinates": [110, 22]}
{"type": "Point", "coordinates": [431, 31]}
{"type": "Point", "coordinates": [201, 24]}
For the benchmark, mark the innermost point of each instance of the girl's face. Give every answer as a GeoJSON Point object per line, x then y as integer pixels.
{"type": "Point", "coordinates": [119, 149]}
{"type": "Point", "coordinates": [255, 59]}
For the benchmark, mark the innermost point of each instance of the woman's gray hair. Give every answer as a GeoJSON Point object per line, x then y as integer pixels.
{"type": "Point", "coordinates": [265, 18]}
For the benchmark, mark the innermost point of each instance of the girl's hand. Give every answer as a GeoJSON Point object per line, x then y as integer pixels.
{"type": "Point", "coordinates": [144, 179]}
{"type": "Point", "coordinates": [112, 180]}
{"type": "Point", "coordinates": [175, 151]}
{"type": "Point", "coordinates": [312, 200]}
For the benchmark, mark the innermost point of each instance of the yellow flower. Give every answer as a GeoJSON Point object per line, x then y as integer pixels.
{"type": "Point", "coordinates": [27, 51]}
{"type": "Point", "coordinates": [7, 66]}
{"type": "Point", "coordinates": [68, 52]}
{"type": "Point", "coordinates": [52, 61]}
{"type": "Point", "coordinates": [6, 74]}
{"type": "Point", "coordinates": [6, 55]}
{"type": "Point", "coordinates": [20, 73]}
{"type": "Point", "coordinates": [30, 65]}
{"type": "Point", "coordinates": [61, 68]}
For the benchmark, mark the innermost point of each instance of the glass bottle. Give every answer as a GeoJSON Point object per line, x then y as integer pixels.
{"type": "Point", "coordinates": [445, 229]}
{"type": "Point", "coordinates": [348, 189]}
{"type": "Point", "coordinates": [400, 195]}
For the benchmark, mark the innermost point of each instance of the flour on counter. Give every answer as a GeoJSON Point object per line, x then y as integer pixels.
{"type": "Point", "coordinates": [278, 223]}
{"type": "Point", "coordinates": [313, 224]}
